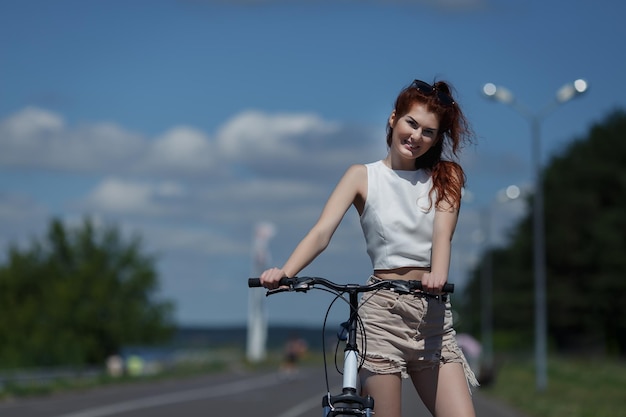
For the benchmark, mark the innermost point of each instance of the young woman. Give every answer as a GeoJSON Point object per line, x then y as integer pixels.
{"type": "Point", "coordinates": [408, 205]}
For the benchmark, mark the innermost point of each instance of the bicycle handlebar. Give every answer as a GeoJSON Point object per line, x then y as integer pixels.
{"type": "Point", "coordinates": [304, 284]}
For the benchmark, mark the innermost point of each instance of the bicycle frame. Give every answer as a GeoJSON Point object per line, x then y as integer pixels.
{"type": "Point", "coordinates": [349, 402]}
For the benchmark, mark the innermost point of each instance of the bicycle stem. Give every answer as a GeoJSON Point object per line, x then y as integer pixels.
{"type": "Point", "coordinates": [351, 350]}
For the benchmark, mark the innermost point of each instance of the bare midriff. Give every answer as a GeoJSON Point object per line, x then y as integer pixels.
{"type": "Point", "coordinates": [408, 273]}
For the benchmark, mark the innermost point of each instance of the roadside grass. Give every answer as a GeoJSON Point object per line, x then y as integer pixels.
{"type": "Point", "coordinates": [577, 387]}
{"type": "Point", "coordinates": [229, 359]}
{"type": "Point", "coordinates": [199, 363]}
{"type": "Point", "coordinates": [16, 389]}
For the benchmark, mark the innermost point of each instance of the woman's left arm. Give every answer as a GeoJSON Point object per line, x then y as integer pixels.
{"type": "Point", "coordinates": [443, 229]}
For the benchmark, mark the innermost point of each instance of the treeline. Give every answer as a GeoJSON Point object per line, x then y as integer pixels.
{"type": "Point", "coordinates": [77, 296]}
{"type": "Point", "coordinates": [585, 231]}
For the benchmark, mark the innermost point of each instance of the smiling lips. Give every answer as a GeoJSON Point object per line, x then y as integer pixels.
{"type": "Point", "coordinates": [411, 145]}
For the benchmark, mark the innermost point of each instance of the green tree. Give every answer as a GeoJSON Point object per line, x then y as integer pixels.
{"type": "Point", "coordinates": [78, 296]}
{"type": "Point", "coordinates": [586, 243]}
{"type": "Point", "coordinates": [585, 218]}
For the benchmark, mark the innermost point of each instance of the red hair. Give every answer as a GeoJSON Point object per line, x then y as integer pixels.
{"type": "Point", "coordinates": [454, 132]}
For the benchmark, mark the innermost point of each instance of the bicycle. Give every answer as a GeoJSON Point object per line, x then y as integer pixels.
{"type": "Point", "coordinates": [348, 402]}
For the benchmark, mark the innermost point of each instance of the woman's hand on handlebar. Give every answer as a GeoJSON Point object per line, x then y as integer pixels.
{"type": "Point", "coordinates": [433, 283]}
{"type": "Point", "coordinates": [270, 278]}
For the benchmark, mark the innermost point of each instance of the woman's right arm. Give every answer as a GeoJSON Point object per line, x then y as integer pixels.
{"type": "Point", "coordinates": [352, 185]}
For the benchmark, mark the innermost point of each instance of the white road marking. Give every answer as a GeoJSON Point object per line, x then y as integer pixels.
{"type": "Point", "coordinates": [304, 406]}
{"type": "Point", "coordinates": [177, 397]}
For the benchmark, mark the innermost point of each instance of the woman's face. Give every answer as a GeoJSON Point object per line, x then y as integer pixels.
{"type": "Point", "coordinates": [414, 133]}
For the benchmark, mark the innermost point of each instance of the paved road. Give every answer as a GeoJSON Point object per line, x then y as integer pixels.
{"type": "Point", "coordinates": [259, 394]}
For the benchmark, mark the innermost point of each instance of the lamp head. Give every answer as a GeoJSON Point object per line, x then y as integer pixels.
{"type": "Point", "coordinates": [498, 93]}
{"type": "Point", "coordinates": [571, 90]}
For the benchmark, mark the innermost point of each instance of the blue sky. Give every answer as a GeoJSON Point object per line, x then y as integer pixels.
{"type": "Point", "coordinates": [192, 121]}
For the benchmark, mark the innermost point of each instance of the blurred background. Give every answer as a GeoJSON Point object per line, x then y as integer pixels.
{"type": "Point", "coordinates": [147, 141]}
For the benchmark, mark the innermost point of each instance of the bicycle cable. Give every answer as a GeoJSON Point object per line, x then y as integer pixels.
{"type": "Point", "coordinates": [360, 329]}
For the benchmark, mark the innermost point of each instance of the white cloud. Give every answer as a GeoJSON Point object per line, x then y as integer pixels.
{"type": "Point", "coordinates": [253, 134]}
{"type": "Point", "coordinates": [181, 149]}
{"type": "Point", "coordinates": [115, 195]}
{"type": "Point", "coordinates": [26, 134]}
{"type": "Point", "coordinates": [36, 138]}
{"type": "Point", "coordinates": [120, 196]}
{"type": "Point", "coordinates": [31, 122]}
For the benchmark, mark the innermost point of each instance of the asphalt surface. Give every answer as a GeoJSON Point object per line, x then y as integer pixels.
{"type": "Point", "coordinates": [269, 394]}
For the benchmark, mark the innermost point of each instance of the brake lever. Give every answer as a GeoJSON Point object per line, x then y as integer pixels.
{"type": "Point", "coordinates": [401, 287]}
{"type": "Point", "coordinates": [278, 290]}
{"type": "Point", "coordinates": [300, 287]}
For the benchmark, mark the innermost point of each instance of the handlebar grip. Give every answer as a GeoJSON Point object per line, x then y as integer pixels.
{"type": "Point", "coordinates": [447, 287]}
{"type": "Point", "coordinates": [256, 282]}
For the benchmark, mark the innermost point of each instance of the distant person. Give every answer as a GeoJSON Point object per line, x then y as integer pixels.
{"type": "Point", "coordinates": [115, 366]}
{"type": "Point", "coordinates": [408, 205]}
{"type": "Point", "coordinates": [472, 349]}
{"type": "Point", "coordinates": [295, 348]}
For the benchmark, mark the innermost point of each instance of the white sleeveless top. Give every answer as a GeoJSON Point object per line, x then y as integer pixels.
{"type": "Point", "coordinates": [397, 219]}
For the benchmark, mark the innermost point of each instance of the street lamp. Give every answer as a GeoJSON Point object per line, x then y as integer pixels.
{"type": "Point", "coordinates": [563, 95]}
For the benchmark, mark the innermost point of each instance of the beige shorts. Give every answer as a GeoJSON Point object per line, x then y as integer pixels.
{"type": "Point", "coordinates": [404, 334]}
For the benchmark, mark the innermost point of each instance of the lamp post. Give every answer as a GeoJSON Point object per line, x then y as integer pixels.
{"type": "Point", "coordinates": [563, 95]}
{"type": "Point", "coordinates": [257, 314]}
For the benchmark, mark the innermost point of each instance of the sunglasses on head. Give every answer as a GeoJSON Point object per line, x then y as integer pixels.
{"type": "Point", "coordinates": [424, 87]}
